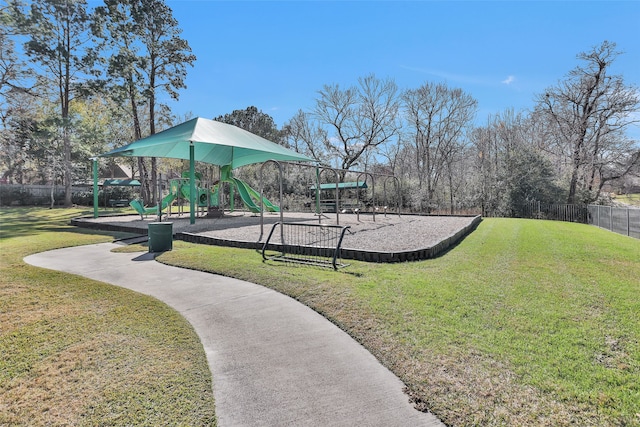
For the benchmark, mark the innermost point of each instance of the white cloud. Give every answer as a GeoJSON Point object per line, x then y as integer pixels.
{"type": "Point", "coordinates": [509, 80]}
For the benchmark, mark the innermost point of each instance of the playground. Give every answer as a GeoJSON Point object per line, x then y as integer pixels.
{"type": "Point", "coordinates": [346, 220]}
{"type": "Point", "coordinates": [391, 238]}
{"type": "Point", "coordinates": [330, 213]}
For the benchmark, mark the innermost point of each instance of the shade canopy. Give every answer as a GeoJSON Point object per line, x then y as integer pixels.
{"type": "Point", "coordinates": [341, 185]}
{"type": "Point", "coordinates": [121, 182]}
{"type": "Point", "coordinates": [214, 142]}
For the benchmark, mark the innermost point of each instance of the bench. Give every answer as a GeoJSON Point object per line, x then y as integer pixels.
{"type": "Point", "coordinates": [118, 203]}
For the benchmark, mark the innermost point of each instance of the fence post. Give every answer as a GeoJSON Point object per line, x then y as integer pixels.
{"type": "Point", "coordinates": [610, 218]}
{"type": "Point", "coordinates": [628, 223]}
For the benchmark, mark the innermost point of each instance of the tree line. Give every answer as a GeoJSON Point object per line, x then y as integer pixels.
{"type": "Point", "coordinates": [565, 150]}
{"type": "Point", "coordinates": [89, 80]}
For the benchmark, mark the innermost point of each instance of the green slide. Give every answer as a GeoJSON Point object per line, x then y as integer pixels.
{"type": "Point", "coordinates": [247, 194]}
{"type": "Point", "coordinates": [270, 206]}
{"type": "Point", "coordinates": [243, 191]}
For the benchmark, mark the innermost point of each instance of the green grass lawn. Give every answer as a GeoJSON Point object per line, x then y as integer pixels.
{"type": "Point", "coordinates": [524, 323]}
{"type": "Point", "coordinates": [629, 199]}
{"type": "Point", "coordinates": [79, 352]}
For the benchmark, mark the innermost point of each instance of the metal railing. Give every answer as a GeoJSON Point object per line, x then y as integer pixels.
{"type": "Point", "coordinates": [617, 219]}
{"type": "Point", "coordinates": [313, 244]}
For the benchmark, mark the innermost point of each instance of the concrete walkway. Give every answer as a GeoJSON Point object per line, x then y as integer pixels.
{"type": "Point", "coordinates": [274, 361]}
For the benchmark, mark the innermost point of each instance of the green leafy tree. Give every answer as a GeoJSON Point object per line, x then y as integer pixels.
{"type": "Point", "coordinates": [114, 27]}
{"type": "Point", "coordinates": [148, 57]}
{"type": "Point", "coordinates": [15, 75]}
{"type": "Point", "coordinates": [255, 121]}
{"type": "Point", "coordinates": [57, 36]}
{"type": "Point", "coordinates": [511, 169]}
{"type": "Point", "coordinates": [15, 140]}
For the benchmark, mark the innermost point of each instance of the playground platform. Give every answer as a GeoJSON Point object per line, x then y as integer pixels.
{"type": "Point", "coordinates": [385, 238]}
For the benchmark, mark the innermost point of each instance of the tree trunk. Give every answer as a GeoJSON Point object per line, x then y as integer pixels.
{"type": "Point", "coordinates": [573, 183]}
{"type": "Point", "coordinates": [67, 165]}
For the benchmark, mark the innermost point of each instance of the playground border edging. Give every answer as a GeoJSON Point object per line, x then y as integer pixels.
{"type": "Point", "coordinates": [412, 255]}
{"type": "Point", "coordinates": [78, 222]}
{"type": "Point", "coordinates": [345, 253]}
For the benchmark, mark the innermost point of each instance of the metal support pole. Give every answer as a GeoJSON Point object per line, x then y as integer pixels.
{"type": "Point", "coordinates": [318, 191]}
{"type": "Point", "coordinates": [610, 219]}
{"type": "Point", "coordinates": [628, 225]}
{"type": "Point", "coordinates": [373, 190]}
{"type": "Point", "coordinates": [396, 183]}
{"type": "Point", "coordinates": [159, 199]}
{"type": "Point", "coordinates": [262, 202]}
{"type": "Point", "coordinates": [337, 178]}
{"type": "Point", "coordinates": [95, 186]}
{"type": "Point", "coordinates": [192, 184]}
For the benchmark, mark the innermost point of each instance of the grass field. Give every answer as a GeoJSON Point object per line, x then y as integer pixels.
{"type": "Point", "coordinates": [79, 352]}
{"type": "Point", "coordinates": [524, 323]}
{"type": "Point", "coordinates": [628, 199]}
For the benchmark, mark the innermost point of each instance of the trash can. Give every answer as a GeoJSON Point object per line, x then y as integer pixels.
{"type": "Point", "coordinates": [160, 236]}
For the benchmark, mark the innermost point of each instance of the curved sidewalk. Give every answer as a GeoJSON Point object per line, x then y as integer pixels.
{"type": "Point", "coordinates": [274, 361]}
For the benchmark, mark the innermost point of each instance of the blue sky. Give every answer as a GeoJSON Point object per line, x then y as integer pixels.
{"type": "Point", "coordinates": [276, 55]}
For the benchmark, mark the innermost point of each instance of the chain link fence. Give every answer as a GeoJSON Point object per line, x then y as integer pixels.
{"type": "Point", "coordinates": [619, 220]}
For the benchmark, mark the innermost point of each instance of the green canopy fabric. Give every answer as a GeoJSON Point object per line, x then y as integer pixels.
{"type": "Point", "coordinates": [341, 185]}
{"type": "Point", "coordinates": [121, 182]}
{"type": "Point", "coordinates": [214, 142]}
{"type": "Point", "coordinates": [208, 141]}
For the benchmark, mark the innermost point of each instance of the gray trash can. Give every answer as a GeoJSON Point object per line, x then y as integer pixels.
{"type": "Point", "coordinates": [160, 236]}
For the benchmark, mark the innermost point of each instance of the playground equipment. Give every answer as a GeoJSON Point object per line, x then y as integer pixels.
{"type": "Point", "coordinates": [312, 244]}
{"type": "Point", "coordinates": [248, 195]}
{"type": "Point", "coordinates": [205, 141]}
{"type": "Point", "coordinates": [348, 198]}
{"type": "Point", "coordinates": [204, 197]}
{"type": "Point", "coordinates": [180, 188]}
{"type": "Point", "coordinates": [139, 207]}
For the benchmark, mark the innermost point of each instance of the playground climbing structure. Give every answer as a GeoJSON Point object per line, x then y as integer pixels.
{"type": "Point", "coordinates": [180, 188]}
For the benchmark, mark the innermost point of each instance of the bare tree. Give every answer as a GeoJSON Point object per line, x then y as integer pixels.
{"type": "Point", "coordinates": [359, 118]}
{"type": "Point", "coordinates": [437, 118]}
{"type": "Point", "coordinates": [306, 136]}
{"type": "Point", "coordinates": [589, 112]}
